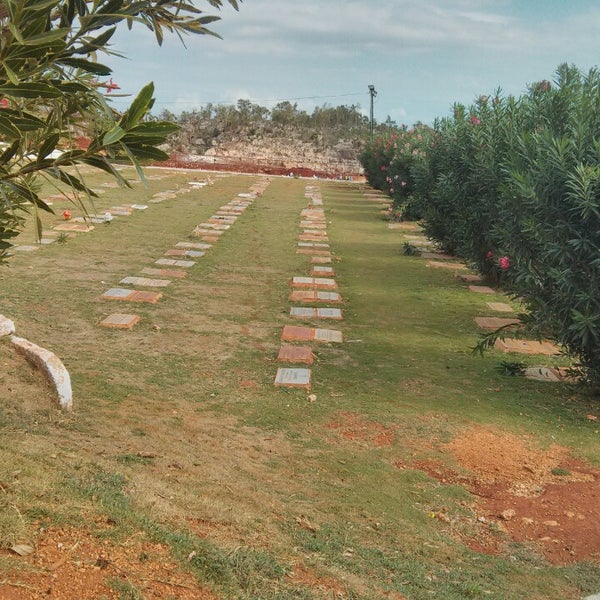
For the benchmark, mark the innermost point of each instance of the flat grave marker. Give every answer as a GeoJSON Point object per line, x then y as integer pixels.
{"type": "Point", "coordinates": [543, 374]}
{"type": "Point", "coordinates": [169, 262]}
{"type": "Point", "coordinates": [117, 294]}
{"type": "Point", "coordinates": [493, 323]}
{"type": "Point", "coordinates": [330, 313]}
{"type": "Point", "coordinates": [303, 312]}
{"type": "Point", "coordinates": [328, 335]}
{"type": "Point", "coordinates": [76, 227]}
{"type": "Point", "coordinates": [294, 333]}
{"type": "Point", "coordinates": [320, 271]}
{"type": "Point", "coordinates": [446, 265]}
{"type": "Point", "coordinates": [164, 272]}
{"type": "Point", "coordinates": [120, 321]}
{"type": "Point", "coordinates": [526, 346]}
{"type": "Point", "coordinates": [469, 277]}
{"type": "Point", "coordinates": [321, 260]}
{"type": "Point", "coordinates": [296, 378]}
{"type": "Point", "coordinates": [296, 354]}
{"type": "Point", "coordinates": [145, 281]}
{"type": "Point", "coordinates": [481, 289]}
{"type": "Point", "coordinates": [500, 307]}
{"type": "Point", "coordinates": [150, 297]}
{"type": "Point", "coordinates": [25, 248]}
{"type": "Point", "coordinates": [193, 245]}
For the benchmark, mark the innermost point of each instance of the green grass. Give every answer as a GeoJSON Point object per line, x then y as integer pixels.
{"type": "Point", "coordinates": [177, 421]}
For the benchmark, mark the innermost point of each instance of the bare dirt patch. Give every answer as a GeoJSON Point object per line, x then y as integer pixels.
{"type": "Point", "coordinates": [70, 563]}
{"type": "Point", "coordinates": [353, 427]}
{"type": "Point", "coordinates": [536, 495]}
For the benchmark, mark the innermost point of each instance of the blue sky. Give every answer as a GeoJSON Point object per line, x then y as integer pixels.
{"type": "Point", "coordinates": [421, 55]}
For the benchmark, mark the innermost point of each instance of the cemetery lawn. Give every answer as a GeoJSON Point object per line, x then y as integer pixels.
{"type": "Point", "coordinates": [412, 469]}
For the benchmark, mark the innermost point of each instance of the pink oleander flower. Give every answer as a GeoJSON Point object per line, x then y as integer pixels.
{"type": "Point", "coordinates": [403, 184]}
{"type": "Point", "coordinates": [490, 254]}
{"type": "Point", "coordinates": [475, 120]}
{"type": "Point", "coordinates": [504, 262]}
{"type": "Point", "coordinates": [391, 190]}
{"type": "Point", "coordinates": [383, 167]}
{"type": "Point", "coordinates": [4, 103]}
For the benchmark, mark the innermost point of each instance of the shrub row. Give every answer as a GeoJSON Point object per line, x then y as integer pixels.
{"type": "Point", "coordinates": [512, 185]}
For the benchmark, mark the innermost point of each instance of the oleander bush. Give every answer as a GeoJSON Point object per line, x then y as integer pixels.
{"type": "Point", "coordinates": [512, 186]}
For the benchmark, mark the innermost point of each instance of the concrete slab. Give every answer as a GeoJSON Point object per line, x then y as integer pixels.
{"type": "Point", "coordinates": [150, 297]}
{"type": "Point", "coordinates": [75, 227]}
{"type": "Point", "coordinates": [169, 262]}
{"type": "Point", "coordinates": [320, 271]}
{"type": "Point", "coordinates": [117, 294]}
{"type": "Point", "coordinates": [328, 335]}
{"type": "Point", "coordinates": [302, 312]}
{"type": "Point", "coordinates": [294, 333]}
{"type": "Point", "coordinates": [469, 277]}
{"type": "Point", "coordinates": [526, 346]}
{"type": "Point", "coordinates": [543, 374]}
{"type": "Point", "coordinates": [493, 323]}
{"type": "Point", "coordinates": [330, 313]}
{"type": "Point", "coordinates": [481, 289]}
{"type": "Point", "coordinates": [145, 282]}
{"type": "Point", "coordinates": [296, 354]}
{"type": "Point", "coordinates": [500, 307]}
{"type": "Point", "coordinates": [321, 260]}
{"type": "Point", "coordinates": [446, 265]}
{"type": "Point", "coordinates": [193, 245]}
{"type": "Point", "coordinates": [164, 272]}
{"type": "Point", "coordinates": [294, 378]}
{"type": "Point", "coordinates": [120, 321]}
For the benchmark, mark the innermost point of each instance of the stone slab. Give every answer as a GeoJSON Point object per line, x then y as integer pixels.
{"type": "Point", "coordinates": [482, 289]}
{"type": "Point", "coordinates": [500, 307]}
{"type": "Point", "coordinates": [321, 260]}
{"type": "Point", "coordinates": [330, 313]}
{"type": "Point", "coordinates": [145, 282]}
{"type": "Point", "coordinates": [294, 333]}
{"type": "Point", "coordinates": [526, 346]}
{"type": "Point", "coordinates": [169, 262]}
{"type": "Point", "coordinates": [164, 272]}
{"type": "Point", "coordinates": [303, 312]}
{"type": "Point", "coordinates": [437, 256]}
{"type": "Point", "coordinates": [46, 241]}
{"type": "Point", "coordinates": [329, 297]}
{"type": "Point", "coordinates": [312, 238]}
{"type": "Point", "coordinates": [77, 227]}
{"type": "Point", "coordinates": [320, 271]}
{"type": "Point", "coordinates": [193, 245]}
{"type": "Point", "coordinates": [294, 378]}
{"type": "Point", "coordinates": [150, 297]}
{"type": "Point", "coordinates": [117, 294]}
{"type": "Point", "coordinates": [296, 354]}
{"type": "Point", "coordinates": [469, 277]}
{"type": "Point", "coordinates": [120, 321]}
{"type": "Point", "coordinates": [139, 206]}
{"type": "Point", "coordinates": [446, 265]}
{"type": "Point", "coordinates": [313, 252]}
{"type": "Point", "coordinates": [328, 335]}
{"type": "Point", "coordinates": [314, 224]}
{"type": "Point", "coordinates": [543, 374]}
{"type": "Point", "coordinates": [493, 323]}
{"type": "Point", "coordinates": [209, 238]}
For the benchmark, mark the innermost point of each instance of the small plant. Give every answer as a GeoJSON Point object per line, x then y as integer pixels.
{"type": "Point", "coordinates": [511, 368]}
{"type": "Point", "coordinates": [410, 250]}
{"type": "Point", "coordinates": [560, 472]}
{"type": "Point", "coordinates": [62, 238]}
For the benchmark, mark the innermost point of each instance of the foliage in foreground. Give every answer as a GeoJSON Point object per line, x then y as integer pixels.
{"type": "Point", "coordinates": [512, 185]}
{"type": "Point", "coordinates": [50, 96]}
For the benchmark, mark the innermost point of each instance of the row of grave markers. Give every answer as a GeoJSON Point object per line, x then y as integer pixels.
{"type": "Point", "coordinates": [177, 259]}
{"type": "Point", "coordinates": [319, 288]}
{"type": "Point", "coordinates": [439, 260]}
{"type": "Point", "coordinates": [87, 223]}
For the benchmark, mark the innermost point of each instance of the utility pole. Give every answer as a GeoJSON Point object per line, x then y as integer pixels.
{"type": "Point", "coordinates": [373, 93]}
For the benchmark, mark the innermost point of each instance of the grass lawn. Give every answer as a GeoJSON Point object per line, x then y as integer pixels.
{"type": "Point", "coordinates": [412, 469]}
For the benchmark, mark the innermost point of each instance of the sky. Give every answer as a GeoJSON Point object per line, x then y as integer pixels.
{"type": "Point", "coordinates": [421, 55]}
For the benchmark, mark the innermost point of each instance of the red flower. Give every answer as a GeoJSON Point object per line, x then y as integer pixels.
{"type": "Point", "coordinates": [504, 262]}
{"type": "Point", "coordinates": [4, 103]}
{"type": "Point", "coordinates": [66, 215]}
{"type": "Point", "coordinates": [110, 86]}
{"type": "Point", "coordinates": [475, 120]}
{"type": "Point", "coordinates": [383, 167]}
{"type": "Point", "coordinates": [490, 254]}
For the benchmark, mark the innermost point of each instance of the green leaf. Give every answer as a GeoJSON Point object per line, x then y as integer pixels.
{"type": "Point", "coordinates": [10, 152]}
{"type": "Point", "coordinates": [30, 90]}
{"type": "Point", "coordinates": [48, 37]}
{"type": "Point", "coordinates": [48, 146]}
{"type": "Point", "coordinates": [138, 108]}
{"type": "Point", "coordinates": [7, 129]}
{"type": "Point", "coordinates": [112, 136]}
{"type": "Point", "coordinates": [86, 65]}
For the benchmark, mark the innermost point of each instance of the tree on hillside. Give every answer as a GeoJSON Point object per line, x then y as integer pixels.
{"type": "Point", "coordinates": [51, 94]}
